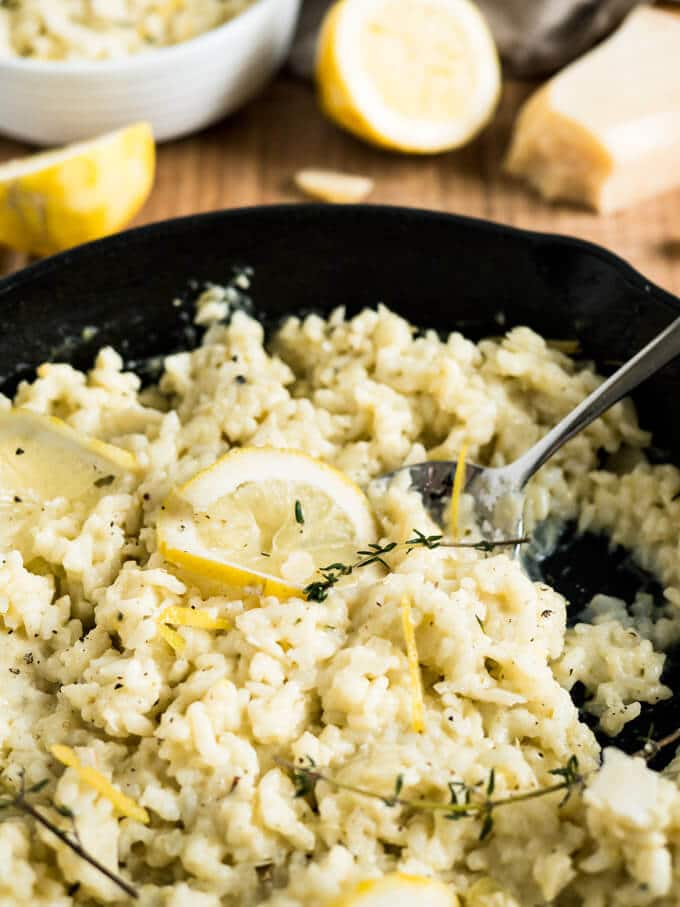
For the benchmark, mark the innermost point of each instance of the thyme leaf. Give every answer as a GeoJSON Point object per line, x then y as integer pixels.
{"type": "Point", "coordinates": [427, 541]}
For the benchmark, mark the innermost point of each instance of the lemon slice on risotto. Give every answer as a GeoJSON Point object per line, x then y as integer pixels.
{"type": "Point", "coordinates": [265, 519]}
{"type": "Point", "coordinates": [397, 889]}
{"type": "Point", "coordinates": [43, 458]}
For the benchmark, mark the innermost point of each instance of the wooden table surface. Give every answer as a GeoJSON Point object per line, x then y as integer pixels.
{"type": "Point", "coordinates": [251, 157]}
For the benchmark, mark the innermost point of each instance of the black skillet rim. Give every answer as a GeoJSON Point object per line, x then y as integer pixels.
{"type": "Point", "coordinates": [311, 211]}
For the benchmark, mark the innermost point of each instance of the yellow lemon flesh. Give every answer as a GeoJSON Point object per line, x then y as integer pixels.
{"type": "Point", "coordinates": [43, 458]}
{"type": "Point", "coordinates": [265, 519]}
{"type": "Point", "coordinates": [418, 76]}
{"type": "Point", "coordinates": [398, 889]}
{"type": "Point", "coordinates": [58, 199]}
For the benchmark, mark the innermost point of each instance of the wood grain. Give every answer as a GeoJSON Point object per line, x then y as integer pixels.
{"type": "Point", "coordinates": [250, 159]}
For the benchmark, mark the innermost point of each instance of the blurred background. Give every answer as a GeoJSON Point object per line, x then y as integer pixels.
{"type": "Point", "coordinates": [255, 154]}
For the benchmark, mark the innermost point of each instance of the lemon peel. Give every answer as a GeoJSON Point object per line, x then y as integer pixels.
{"type": "Point", "coordinates": [124, 805]}
{"type": "Point", "coordinates": [417, 706]}
{"type": "Point", "coordinates": [186, 617]}
{"type": "Point", "coordinates": [174, 639]}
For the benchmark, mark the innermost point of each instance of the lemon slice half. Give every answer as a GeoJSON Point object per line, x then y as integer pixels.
{"type": "Point", "coordinates": [419, 76]}
{"type": "Point", "coordinates": [398, 889]}
{"type": "Point", "coordinates": [58, 199]}
{"type": "Point", "coordinates": [264, 518]}
{"type": "Point", "coordinates": [43, 458]}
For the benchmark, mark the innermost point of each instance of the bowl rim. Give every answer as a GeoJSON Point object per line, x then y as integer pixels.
{"type": "Point", "coordinates": [295, 210]}
{"type": "Point", "coordinates": [157, 56]}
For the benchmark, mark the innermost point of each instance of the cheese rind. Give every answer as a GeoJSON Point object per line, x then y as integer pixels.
{"type": "Point", "coordinates": [605, 131]}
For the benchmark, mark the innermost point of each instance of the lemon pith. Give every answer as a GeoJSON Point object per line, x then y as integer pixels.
{"type": "Point", "coordinates": [264, 518]}
{"type": "Point", "coordinates": [55, 200]}
{"type": "Point", "coordinates": [419, 76]}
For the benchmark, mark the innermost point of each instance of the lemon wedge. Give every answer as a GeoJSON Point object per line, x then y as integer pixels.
{"type": "Point", "coordinates": [265, 519]}
{"type": "Point", "coordinates": [58, 199]}
{"type": "Point", "coordinates": [397, 889]}
{"type": "Point", "coordinates": [419, 76]}
{"type": "Point", "coordinates": [42, 458]}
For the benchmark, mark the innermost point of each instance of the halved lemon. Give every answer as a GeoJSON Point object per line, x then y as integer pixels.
{"type": "Point", "coordinates": [58, 199]}
{"type": "Point", "coordinates": [397, 889]}
{"type": "Point", "coordinates": [264, 518]}
{"type": "Point", "coordinates": [42, 458]}
{"type": "Point", "coordinates": [419, 76]}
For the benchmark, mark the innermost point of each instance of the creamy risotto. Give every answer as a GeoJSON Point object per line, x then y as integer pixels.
{"type": "Point", "coordinates": [102, 29]}
{"type": "Point", "coordinates": [202, 739]}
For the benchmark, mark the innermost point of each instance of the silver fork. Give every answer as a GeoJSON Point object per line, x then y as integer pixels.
{"type": "Point", "coordinates": [497, 492]}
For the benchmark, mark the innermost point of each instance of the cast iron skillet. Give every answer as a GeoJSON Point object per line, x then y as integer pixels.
{"type": "Point", "coordinates": [439, 270]}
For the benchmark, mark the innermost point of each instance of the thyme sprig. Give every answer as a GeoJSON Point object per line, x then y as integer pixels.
{"type": "Point", "coordinates": [652, 748]}
{"type": "Point", "coordinates": [17, 800]}
{"type": "Point", "coordinates": [318, 590]}
{"type": "Point", "coordinates": [465, 801]}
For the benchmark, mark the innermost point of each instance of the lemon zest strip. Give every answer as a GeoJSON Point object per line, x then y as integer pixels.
{"type": "Point", "coordinates": [458, 484]}
{"type": "Point", "coordinates": [417, 708]}
{"type": "Point", "coordinates": [186, 617]}
{"type": "Point", "coordinates": [192, 617]}
{"type": "Point", "coordinates": [124, 805]}
{"type": "Point", "coordinates": [174, 639]}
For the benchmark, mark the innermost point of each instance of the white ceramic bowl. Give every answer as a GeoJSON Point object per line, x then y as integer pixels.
{"type": "Point", "coordinates": [178, 89]}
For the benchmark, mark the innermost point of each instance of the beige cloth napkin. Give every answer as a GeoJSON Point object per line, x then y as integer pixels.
{"type": "Point", "coordinates": [535, 37]}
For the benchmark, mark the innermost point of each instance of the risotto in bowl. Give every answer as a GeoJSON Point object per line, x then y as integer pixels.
{"type": "Point", "coordinates": [237, 670]}
{"type": "Point", "coordinates": [71, 69]}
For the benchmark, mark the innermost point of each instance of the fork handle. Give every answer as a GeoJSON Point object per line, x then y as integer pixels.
{"type": "Point", "coordinates": [657, 353]}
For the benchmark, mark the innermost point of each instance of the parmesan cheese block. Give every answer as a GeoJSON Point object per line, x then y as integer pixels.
{"type": "Point", "coordinates": [606, 130]}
